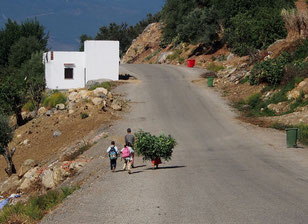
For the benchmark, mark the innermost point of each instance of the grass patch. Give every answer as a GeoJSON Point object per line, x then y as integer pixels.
{"type": "Point", "coordinates": [106, 85]}
{"type": "Point", "coordinates": [222, 58]}
{"type": "Point", "coordinates": [54, 99]}
{"type": "Point", "coordinates": [303, 130]}
{"type": "Point", "coordinates": [152, 55]}
{"type": "Point", "coordinates": [181, 60]}
{"type": "Point", "coordinates": [244, 80]}
{"type": "Point", "coordinates": [35, 208]}
{"type": "Point", "coordinates": [299, 102]}
{"type": "Point", "coordinates": [214, 68]}
{"type": "Point", "coordinates": [175, 55]}
{"type": "Point", "coordinates": [29, 106]}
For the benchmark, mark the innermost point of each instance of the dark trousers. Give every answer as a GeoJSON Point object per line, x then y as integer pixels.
{"type": "Point", "coordinates": [113, 163]}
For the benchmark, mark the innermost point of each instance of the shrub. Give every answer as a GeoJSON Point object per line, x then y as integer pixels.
{"type": "Point", "coordinates": [151, 147]}
{"type": "Point", "coordinates": [214, 68]}
{"type": "Point", "coordinates": [254, 100]}
{"type": "Point", "coordinates": [54, 99]}
{"type": "Point", "coordinates": [35, 208]}
{"type": "Point", "coordinates": [270, 71]}
{"type": "Point", "coordinates": [106, 85]}
{"type": "Point", "coordinates": [29, 106]}
{"type": "Point", "coordinates": [84, 115]}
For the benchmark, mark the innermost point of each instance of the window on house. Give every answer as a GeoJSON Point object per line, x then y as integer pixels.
{"type": "Point", "coordinates": [68, 73]}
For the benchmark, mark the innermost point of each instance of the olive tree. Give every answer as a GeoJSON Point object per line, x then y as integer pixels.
{"type": "Point", "coordinates": [6, 136]}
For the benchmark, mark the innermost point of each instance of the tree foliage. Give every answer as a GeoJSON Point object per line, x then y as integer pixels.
{"type": "Point", "coordinates": [151, 146]}
{"type": "Point", "coordinates": [33, 70]}
{"type": "Point", "coordinates": [17, 44]}
{"type": "Point", "coordinates": [121, 32]}
{"type": "Point", "coordinates": [245, 25]}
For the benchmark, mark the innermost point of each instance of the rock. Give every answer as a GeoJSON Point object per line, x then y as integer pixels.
{"type": "Point", "coordinates": [26, 184]}
{"type": "Point", "coordinates": [72, 90]}
{"type": "Point", "coordinates": [28, 165]}
{"type": "Point", "coordinates": [74, 96]}
{"type": "Point", "coordinates": [19, 136]}
{"type": "Point", "coordinates": [85, 94]}
{"type": "Point", "coordinates": [293, 94]}
{"type": "Point", "coordinates": [71, 111]}
{"type": "Point", "coordinates": [57, 134]}
{"type": "Point", "coordinates": [279, 108]}
{"type": "Point", "coordinates": [59, 175]}
{"type": "Point", "coordinates": [97, 101]}
{"type": "Point", "coordinates": [100, 92]}
{"type": "Point", "coordinates": [41, 111]}
{"type": "Point", "coordinates": [32, 174]}
{"type": "Point", "coordinates": [109, 96]}
{"type": "Point", "coordinates": [11, 183]}
{"type": "Point", "coordinates": [163, 57]}
{"type": "Point", "coordinates": [116, 107]}
{"type": "Point", "coordinates": [246, 107]}
{"type": "Point", "coordinates": [230, 57]}
{"type": "Point", "coordinates": [48, 179]}
{"type": "Point", "coordinates": [60, 106]}
{"type": "Point", "coordinates": [26, 142]}
{"type": "Point", "coordinates": [71, 105]}
{"type": "Point", "coordinates": [49, 113]}
{"type": "Point", "coordinates": [77, 166]}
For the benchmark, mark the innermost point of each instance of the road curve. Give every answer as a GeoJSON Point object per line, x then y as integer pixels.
{"type": "Point", "coordinates": [222, 171]}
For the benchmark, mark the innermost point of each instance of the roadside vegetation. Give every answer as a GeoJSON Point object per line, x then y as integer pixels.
{"type": "Point", "coordinates": [35, 208]}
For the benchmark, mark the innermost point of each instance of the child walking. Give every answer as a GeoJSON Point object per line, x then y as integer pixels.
{"type": "Point", "coordinates": [113, 155]}
{"type": "Point", "coordinates": [127, 154]}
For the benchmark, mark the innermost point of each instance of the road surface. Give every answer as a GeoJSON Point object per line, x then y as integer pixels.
{"type": "Point", "coordinates": [223, 171]}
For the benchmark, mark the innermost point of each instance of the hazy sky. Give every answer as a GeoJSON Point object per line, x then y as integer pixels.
{"type": "Point", "coordinates": [66, 20]}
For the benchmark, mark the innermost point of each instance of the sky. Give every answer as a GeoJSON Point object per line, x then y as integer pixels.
{"type": "Point", "coordinates": [66, 20]}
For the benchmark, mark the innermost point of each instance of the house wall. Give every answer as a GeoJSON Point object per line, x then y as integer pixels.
{"type": "Point", "coordinates": [54, 70]}
{"type": "Point", "coordinates": [102, 59]}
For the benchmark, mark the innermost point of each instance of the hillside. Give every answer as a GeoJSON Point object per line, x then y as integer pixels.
{"type": "Point", "coordinates": [282, 106]}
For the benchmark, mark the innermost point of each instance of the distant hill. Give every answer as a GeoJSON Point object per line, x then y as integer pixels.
{"type": "Point", "coordinates": [66, 20]}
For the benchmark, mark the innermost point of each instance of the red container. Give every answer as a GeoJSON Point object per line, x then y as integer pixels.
{"type": "Point", "coordinates": [191, 63]}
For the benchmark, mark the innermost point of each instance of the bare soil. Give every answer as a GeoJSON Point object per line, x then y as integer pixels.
{"type": "Point", "coordinates": [43, 147]}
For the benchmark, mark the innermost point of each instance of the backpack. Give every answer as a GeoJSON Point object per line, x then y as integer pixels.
{"type": "Point", "coordinates": [113, 153]}
{"type": "Point", "coordinates": [125, 153]}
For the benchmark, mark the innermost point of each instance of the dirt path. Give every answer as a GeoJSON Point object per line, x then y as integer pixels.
{"type": "Point", "coordinates": [223, 171]}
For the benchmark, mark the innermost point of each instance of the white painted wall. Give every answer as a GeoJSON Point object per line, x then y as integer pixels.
{"type": "Point", "coordinates": [102, 59]}
{"type": "Point", "coordinates": [54, 70]}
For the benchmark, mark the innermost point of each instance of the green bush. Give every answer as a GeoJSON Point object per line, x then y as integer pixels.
{"type": "Point", "coordinates": [106, 85]}
{"type": "Point", "coordinates": [214, 68]}
{"type": "Point", "coordinates": [151, 146]}
{"type": "Point", "coordinates": [270, 71]}
{"type": "Point", "coordinates": [54, 99]}
{"type": "Point", "coordinates": [29, 106]}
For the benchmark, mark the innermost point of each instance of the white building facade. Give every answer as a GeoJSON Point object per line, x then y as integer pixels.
{"type": "Point", "coordinates": [66, 70]}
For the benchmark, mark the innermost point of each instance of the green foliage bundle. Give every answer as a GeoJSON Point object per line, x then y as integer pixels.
{"type": "Point", "coordinates": [54, 99]}
{"type": "Point", "coordinates": [151, 146]}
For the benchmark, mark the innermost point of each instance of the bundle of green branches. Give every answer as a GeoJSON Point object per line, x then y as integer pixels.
{"type": "Point", "coordinates": [151, 146]}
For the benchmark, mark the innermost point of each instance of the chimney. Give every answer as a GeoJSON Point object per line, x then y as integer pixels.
{"type": "Point", "coordinates": [51, 55]}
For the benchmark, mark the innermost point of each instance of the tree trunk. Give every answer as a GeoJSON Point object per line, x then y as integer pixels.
{"type": "Point", "coordinates": [19, 119]}
{"type": "Point", "coordinates": [8, 155]}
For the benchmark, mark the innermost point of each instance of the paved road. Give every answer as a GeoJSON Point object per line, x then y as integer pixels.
{"type": "Point", "coordinates": [222, 171]}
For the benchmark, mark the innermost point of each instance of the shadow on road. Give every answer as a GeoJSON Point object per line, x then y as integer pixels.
{"type": "Point", "coordinates": [166, 167]}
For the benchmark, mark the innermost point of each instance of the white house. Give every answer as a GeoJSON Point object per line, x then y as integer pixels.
{"type": "Point", "coordinates": [66, 70]}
